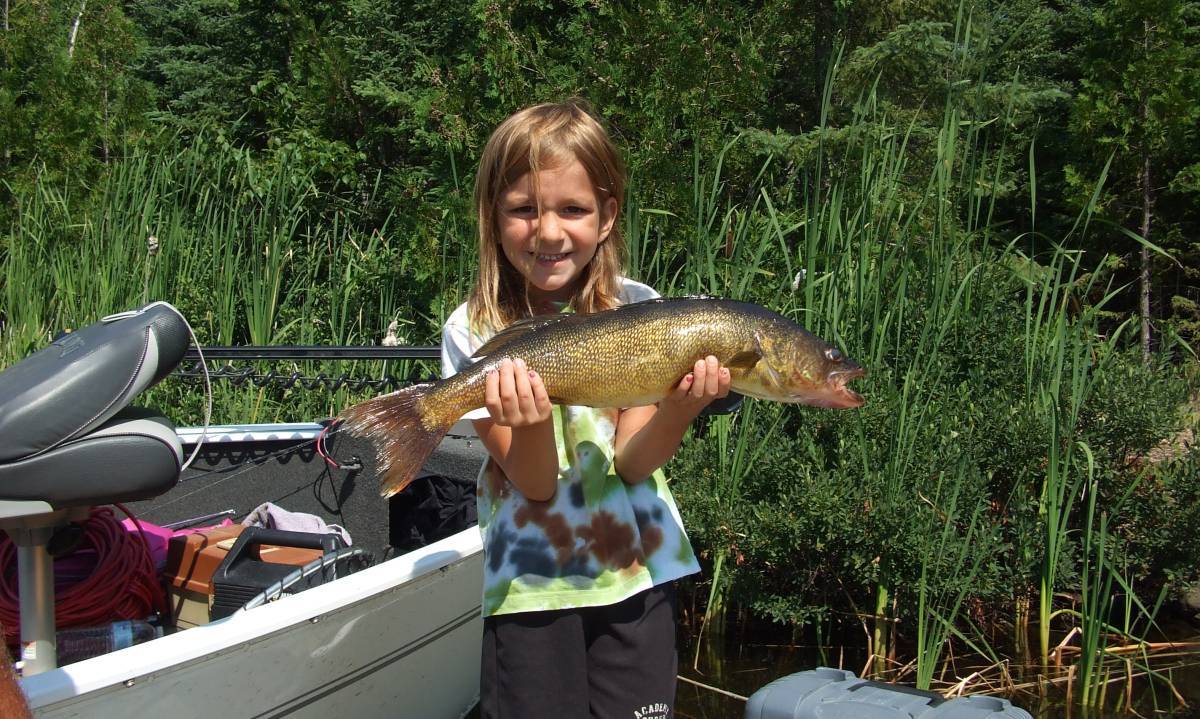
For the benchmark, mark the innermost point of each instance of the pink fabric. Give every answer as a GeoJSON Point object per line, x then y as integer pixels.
{"type": "Point", "coordinates": [158, 537]}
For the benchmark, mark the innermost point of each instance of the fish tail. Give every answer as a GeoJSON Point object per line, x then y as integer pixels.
{"type": "Point", "coordinates": [403, 429]}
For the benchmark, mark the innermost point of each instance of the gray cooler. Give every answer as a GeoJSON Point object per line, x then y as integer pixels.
{"type": "Point", "coordinates": [825, 693]}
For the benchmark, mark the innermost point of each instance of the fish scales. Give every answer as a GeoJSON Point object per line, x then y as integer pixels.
{"type": "Point", "coordinates": [621, 359]}
{"type": "Point", "coordinates": [630, 356]}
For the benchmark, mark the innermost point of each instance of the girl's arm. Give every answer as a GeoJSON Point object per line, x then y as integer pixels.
{"type": "Point", "coordinates": [519, 435]}
{"type": "Point", "coordinates": [647, 437]}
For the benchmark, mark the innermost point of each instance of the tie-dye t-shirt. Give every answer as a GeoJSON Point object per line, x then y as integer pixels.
{"type": "Point", "coordinates": [599, 540]}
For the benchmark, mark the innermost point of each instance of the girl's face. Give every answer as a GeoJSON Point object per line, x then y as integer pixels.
{"type": "Point", "coordinates": [552, 250]}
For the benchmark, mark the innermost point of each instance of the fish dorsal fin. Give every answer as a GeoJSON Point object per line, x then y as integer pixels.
{"type": "Point", "coordinates": [744, 360]}
{"type": "Point", "coordinates": [516, 331]}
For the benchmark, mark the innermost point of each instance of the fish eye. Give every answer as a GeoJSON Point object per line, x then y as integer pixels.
{"type": "Point", "coordinates": [833, 354]}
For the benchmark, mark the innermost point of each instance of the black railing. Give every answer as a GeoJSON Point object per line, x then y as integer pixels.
{"type": "Point", "coordinates": [190, 369]}
{"type": "Point", "coordinates": [312, 352]}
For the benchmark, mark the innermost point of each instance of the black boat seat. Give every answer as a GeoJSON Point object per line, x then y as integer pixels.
{"type": "Point", "coordinates": [67, 437]}
{"type": "Point", "coordinates": [134, 455]}
{"type": "Point", "coordinates": [68, 441]}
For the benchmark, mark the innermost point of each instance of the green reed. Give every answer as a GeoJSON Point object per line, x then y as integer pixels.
{"type": "Point", "coordinates": [896, 277]}
{"type": "Point", "coordinates": [249, 251]}
{"type": "Point", "coordinates": [1060, 376]}
{"type": "Point", "coordinates": [892, 297]}
{"type": "Point", "coordinates": [950, 550]}
{"type": "Point", "coordinates": [851, 266]}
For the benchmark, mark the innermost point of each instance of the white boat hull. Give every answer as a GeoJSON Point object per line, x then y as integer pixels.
{"type": "Point", "coordinates": [399, 639]}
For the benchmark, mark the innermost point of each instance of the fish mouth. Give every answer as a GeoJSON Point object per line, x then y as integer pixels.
{"type": "Point", "coordinates": [830, 394]}
{"type": "Point", "coordinates": [841, 396]}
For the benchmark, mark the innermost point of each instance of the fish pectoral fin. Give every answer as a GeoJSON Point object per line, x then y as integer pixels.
{"type": "Point", "coordinates": [743, 360]}
{"type": "Point", "coordinates": [514, 332]}
{"type": "Point", "coordinates": [773, 375]}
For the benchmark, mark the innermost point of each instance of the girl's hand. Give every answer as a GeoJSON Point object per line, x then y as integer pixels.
{"type": "Point", "coordinates": [515, 395]}
{"type": "Point", "coordinates": [707, 381]}
{"type": "Point", "coordinates": [647, 437]}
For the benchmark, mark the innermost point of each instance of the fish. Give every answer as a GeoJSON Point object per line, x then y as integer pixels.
{"type": "Point", "coordinates": [629, 356]}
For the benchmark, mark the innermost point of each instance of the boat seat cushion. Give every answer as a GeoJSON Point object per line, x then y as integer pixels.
{"type": "Point", "coordinates": [133, 455]}
{"type": "Point", "coordinates": [78, 382]}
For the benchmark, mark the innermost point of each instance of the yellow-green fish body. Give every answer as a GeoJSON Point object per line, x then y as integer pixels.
{"type": "Point", "coordinates": [629, 356]}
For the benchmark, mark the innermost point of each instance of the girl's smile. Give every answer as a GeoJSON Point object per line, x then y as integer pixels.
{"type": "Point", "coordinates": [552, 248]}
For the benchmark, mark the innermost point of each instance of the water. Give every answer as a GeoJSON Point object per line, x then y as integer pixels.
{"type": "Point", "coordinates": [746, 660]}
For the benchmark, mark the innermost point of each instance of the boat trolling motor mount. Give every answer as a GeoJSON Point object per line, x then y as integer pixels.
{"type": "Point", "coordinates": [69, 441]}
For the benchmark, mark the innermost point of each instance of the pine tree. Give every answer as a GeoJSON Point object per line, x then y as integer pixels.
{"type": "Point", "coordinates": [1139, 104]}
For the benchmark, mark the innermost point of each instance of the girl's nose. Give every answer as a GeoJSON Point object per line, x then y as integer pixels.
{"type": "Point", "coordinates": [548, 227]}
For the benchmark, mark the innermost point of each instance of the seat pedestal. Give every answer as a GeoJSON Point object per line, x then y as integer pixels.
{"type": "Point", "coordinates": [31, 525]}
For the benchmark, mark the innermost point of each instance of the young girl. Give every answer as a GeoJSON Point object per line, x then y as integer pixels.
{"type": "Point", "coordinates": [582, 539]}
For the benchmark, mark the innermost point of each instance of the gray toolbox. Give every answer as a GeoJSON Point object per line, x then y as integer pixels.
{"type": "Point", "coordinates": [825, 693]}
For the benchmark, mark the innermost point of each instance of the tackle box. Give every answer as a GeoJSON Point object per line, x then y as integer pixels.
{"type": "Point", "coordinates": [825, 693]}
{"type": "Point", "coordinates": [192, 559]}
{"type": "Point", "coordinates": [251, 566]}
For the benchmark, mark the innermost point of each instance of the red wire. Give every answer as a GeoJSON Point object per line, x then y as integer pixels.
{"type": "Point", "coordinates": [123, 584]}
{"type": "Point", "coordinates": [321, 443]}
{"type": "Point", "coordinates": [147, 570]}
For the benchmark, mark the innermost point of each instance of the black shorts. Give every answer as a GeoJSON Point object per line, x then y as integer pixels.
{"type": "Point", "coordinates": [615, 661]}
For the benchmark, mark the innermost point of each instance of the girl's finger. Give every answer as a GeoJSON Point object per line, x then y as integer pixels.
{"type": "Point", "coordinates": [699, 371]}
{"type": "Point", "coordinates": [524, 395]}
{"type": "Point", "coordinates": [684, 387]}
{"type": "Point", "coordinates": [724, 382]}
{"type": "Point", "coordinates": [491, 393]}
{"type": "Point", "coordinates": [711, 376]}
{"type": "Point", "coordinates": [508, 393]}
{"type": "Point", "coordinates": [541, 398]}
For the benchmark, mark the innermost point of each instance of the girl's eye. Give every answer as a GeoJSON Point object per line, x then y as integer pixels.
{"type": "Point", "coordinates": [575, 210]}
{"type": "Point", "coordinates": [522, 210]}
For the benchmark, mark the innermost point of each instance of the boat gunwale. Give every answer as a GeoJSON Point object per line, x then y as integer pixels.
{"type": "Point", "coordinates": [245, 627]}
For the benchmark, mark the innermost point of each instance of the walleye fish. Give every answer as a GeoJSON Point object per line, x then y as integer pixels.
{"type": "Point", "coordinates": [625, 357]}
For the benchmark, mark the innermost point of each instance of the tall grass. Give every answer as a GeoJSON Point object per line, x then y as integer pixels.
{"type": "Point", "coordinates": [939, 603]}
{"type": "Point", "coordinates": [893, 276]}
{"type": "Point", "coordinates": [728, 251]}
{"type": "Point", "coordinates": [886, 248]}
{"type": "Point", "coordinates": [251, 252]}
{"type": "Point", "coordinates": [885, 273]}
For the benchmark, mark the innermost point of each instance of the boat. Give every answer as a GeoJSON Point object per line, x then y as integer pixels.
{"type": "Point", "coordinates": [394, 630]}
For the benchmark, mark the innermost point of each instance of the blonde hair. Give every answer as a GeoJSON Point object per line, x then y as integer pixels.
{"type": "Point", "coordinates": [535, 138]}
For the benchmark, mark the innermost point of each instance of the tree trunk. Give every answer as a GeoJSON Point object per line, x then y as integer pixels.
{"type": "Point", "coordinates": [1147, 203]}
{"type": "Point", "coordinates": [1144, 304]}
{"type": "Point", "coordinates": [75, 30]}
{"type": "Point", "coordinates": [7, 149]}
